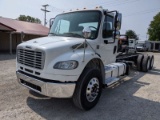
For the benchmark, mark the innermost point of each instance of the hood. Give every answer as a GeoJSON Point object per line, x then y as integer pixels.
{"type": "Point", "coordinates": [52, 39]}
{"type": "Point", "coordinates": [52, 46]}
{"type": "Point", "coordinates": [51, 42]}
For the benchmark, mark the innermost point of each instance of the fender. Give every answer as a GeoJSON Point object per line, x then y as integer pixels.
{"type": "Point", "coordinates": [78, 56]}
{"type": "Point", "coordinates": [98, 64]}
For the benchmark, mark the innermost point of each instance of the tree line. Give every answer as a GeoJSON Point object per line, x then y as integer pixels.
{"type": "Point", "coordinates": [29, 19]}
{"type": "Point", "coordinates": [153, 30]}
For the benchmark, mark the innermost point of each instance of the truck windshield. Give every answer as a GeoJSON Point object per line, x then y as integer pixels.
{"type": "Point", "coordinates": [72, 24]}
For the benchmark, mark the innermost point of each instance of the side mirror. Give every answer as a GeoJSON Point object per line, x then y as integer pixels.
{"type": "Point", "coordinates": [118, 21]}
{"type": "Point", "coordinates": [51, 22]}
{"type": "Point", "coordinates": [86, 32]}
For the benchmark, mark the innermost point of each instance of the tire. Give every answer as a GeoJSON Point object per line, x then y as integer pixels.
{"type": "Point", "coordinates": [127, 69]}
{"type": "Point", "coordinates": [146, 63]}
{"type": "Point", "coordinates": [151, 62]}
{"type": "Point", "coordinates": [81, 98]}
{"type": "Point", "coordinates": [139, 62]}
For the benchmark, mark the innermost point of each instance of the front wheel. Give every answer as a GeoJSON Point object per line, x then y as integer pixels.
{"type": "Point", "coordinates": [88, 89]}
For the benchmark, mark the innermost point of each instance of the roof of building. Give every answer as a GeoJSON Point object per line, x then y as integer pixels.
{"type": "Point", "coordinates": [7, 24]}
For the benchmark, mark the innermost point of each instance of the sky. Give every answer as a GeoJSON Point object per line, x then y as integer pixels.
{"type": "Point", "coordinates": [137, 14]}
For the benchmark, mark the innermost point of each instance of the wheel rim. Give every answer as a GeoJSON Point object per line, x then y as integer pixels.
{"type": "Point", "coordinates": [152, 62]}
{"type": "Point", "coordinates": [92, 90]}
{"type": "Point", "coordinates": [148, 64]}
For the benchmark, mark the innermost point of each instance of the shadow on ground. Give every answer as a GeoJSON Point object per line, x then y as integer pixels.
{"type": "Point", "coordinates": [154, 71]}
{"type": "Point", "coordinates": [117, 103]}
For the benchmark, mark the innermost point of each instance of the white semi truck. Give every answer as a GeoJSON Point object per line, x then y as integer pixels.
{"type": "Point", "coordinates": [132, 45]}
{"type": "Point", "coordinates": [128, 46]}
{"type": "Point", "coordinates": [78, 58]}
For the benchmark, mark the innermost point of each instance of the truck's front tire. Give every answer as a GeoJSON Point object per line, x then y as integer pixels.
{"type": "Point", "coordinates": [88, 89]}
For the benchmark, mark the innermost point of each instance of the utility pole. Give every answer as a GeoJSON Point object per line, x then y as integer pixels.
{"type": "Point", "coordinates": [45, 11]}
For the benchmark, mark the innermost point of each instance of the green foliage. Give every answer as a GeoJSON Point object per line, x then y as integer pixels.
{"type": "Point", "coordinates": [154, 28]}
{"type": "Point", "coordinates": [131, 34]}
{"type": "Point", "coordinates": [29, 19]}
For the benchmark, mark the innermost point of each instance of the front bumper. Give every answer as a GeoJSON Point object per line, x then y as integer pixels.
{"type": "Point", "coordinates": [51, 89]}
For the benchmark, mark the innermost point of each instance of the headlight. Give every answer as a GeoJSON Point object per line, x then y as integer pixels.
{"type": "Point", "coordinates": [66, 65]}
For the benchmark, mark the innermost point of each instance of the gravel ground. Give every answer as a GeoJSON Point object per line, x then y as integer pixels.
{"type": "Point", "coordinates": [137, 98]}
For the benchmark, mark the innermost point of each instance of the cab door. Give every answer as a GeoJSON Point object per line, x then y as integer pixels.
{"type": "Point", "coordinates": [108, 45]}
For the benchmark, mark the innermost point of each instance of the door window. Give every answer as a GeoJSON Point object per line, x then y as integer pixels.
{"type": "Point", "coordinates": [108, 27]}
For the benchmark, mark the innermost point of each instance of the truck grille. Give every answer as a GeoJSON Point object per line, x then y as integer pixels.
{"type": "Point", "coordinates": [31, 58]}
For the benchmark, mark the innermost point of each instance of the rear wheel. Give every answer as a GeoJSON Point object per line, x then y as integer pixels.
{"type": "Point", "coordinates": [88, 89]}
{"type": "Point", "coordinates": [127, 69]}
{"type": "Point", "coordinates": [146, 63]}
{"type": "Point", "coordinates": [151, 62]}
{"type": "Point", "coordinates": [139, 62]}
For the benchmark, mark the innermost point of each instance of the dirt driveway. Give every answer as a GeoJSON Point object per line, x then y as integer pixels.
{"type": "Point", "coordinates": [137, 98]}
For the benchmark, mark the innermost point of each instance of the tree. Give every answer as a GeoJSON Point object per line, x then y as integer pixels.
{"type": "Point", "coordinates": [131, 34]}
{"type": "Point", "coordinates": [29, 19]}
{"type": "Point", "coordinates": [154, 28]}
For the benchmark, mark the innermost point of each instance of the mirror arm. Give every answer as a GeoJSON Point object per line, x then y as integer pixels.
{"type": "Point", "coordinates": [51, 22]}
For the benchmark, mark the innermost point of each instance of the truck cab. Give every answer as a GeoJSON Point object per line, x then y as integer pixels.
{"type": "Point", "coordinates": [132, 45]}
{"type": "Point", "coordinates": [76, 59]}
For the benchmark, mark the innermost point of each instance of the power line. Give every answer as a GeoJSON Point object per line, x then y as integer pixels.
{"type": "Point", "coordinates": [93, 3]}
{"type": "Point", "coordinates": [45, 11]}
{"type": "Point", "coordinates": [122, 2]}
{"type": "Point", "coordinates": [142, 12]}
{"type": "Point", "coordinates": [115, 4]}
{"type": "Point", "coordinates": [58, 9]}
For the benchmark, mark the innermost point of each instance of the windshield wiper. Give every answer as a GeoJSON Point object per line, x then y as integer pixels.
{"type": "Point", "coordinates": [73, 35]}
